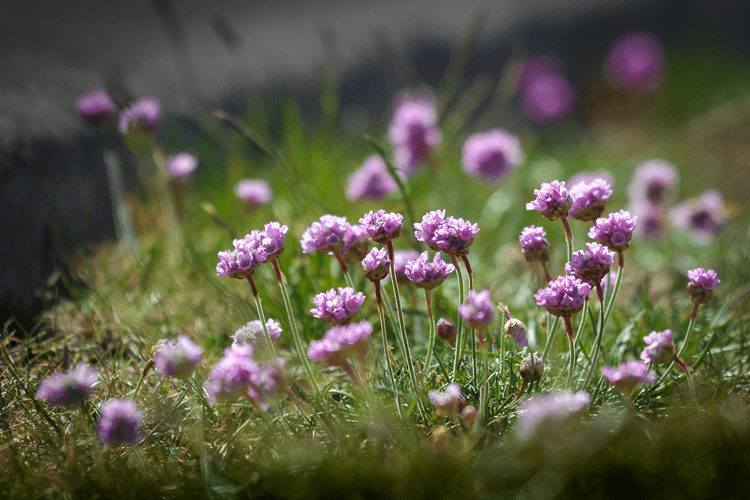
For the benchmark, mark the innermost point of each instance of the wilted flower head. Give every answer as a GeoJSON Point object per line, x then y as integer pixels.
{"type": "Point", "coordinates": [516, 329]}
{"type": "Point", "coordinates": [552, 200]}
{"type": "Point", "coordinates": [448, 402]}
{"type": "Point", "coordinates": [564, 296]}
{"type": "Point", "coordinates": [142, 115]}
{"type": "Point", "coordinates": [531, 368]}
{"type": "Point", "coordinates": [592, 264]}
{"type": "Point", "coordinates": [413, 131]}
{"type": "Point", "coordinates": [337, 308]}
{"type": "Point", "coordinates": [68, 388]}
{"type": "Point", "coordinates": [252, 333]}
{"type": "Point", "coordinates": [702, 284]}
{"type": "Point", "coordinates": [182, 164]}
{"type": "Point", "coordinates": [703, 217]}
{"type": "Point", "coordinates": [653, 181]}
{"type": "Point", "coordinates": [341, 343]}
{"type": "Point", "coordinates": [95, 107]}
{"type": "Point", "coordinates": [230, 378]}
{"type": "Point", "coordinates": [425, 274]}
{"type": "Point", "coordinates": [177, 359]}
{"type": "Point", "coordinates": [549, 410]}
{"type": "Point", "coordinates": [371, 181]}
{"type": "Point", "coordinates": [242, 260]}
{"type": "Point", "coordinates": [383, 226]}
{"type": "Point", "coordinates": [534, 245]}
{"type": "Point", "coordinates": [635, 62]}
{"type": "Point", "coordinates": [119, 422]}
{"type": "Point", "coordinates": [614, 230]}
{"type": "Point", "coordinates": [660, 348]}
{"type": "Point", "coordinates": [446, 331]}
{"type": "Point", "coordinates": [356, 244]}
{"type": "Point", "coordinates": [477, 311]}
{"type": "Point", "coordinates": [492, 154]}
{"type": "Point", "coordinates": [253, 191]}
{"type": "Point", "coordinates": [326, 235]}
{"type": "Point", "coordinates": [454, 236]}
{"type": "Point", "coordinates": [629, 376]}
{"type": "Point", "coordinates": [589, 199]}
{"type": "Point", "coordinates": [376, 264]}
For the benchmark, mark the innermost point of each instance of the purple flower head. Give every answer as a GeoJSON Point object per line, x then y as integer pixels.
{"type": "Point", "coordinates": [492, 154]}
{"type": "Point", "coordinates": [564, 296]}
{"type": "Point", "coordinates": [477, 311]}
{"type": "Point", "coordinates": [455, 236]}
{"type": "Point", "coordinates": [371, 181]}
{"type": "Point", "coordinates": [119, 422]}
{"type": "Point", "coordinates": [425, 230]}
{"type": "Point", "coordinates": [425, 274]}
{"type": "Point", "coordinates": [446, 331]}
{"type": "Point", "coordinates": [552, 200]}
{"type": "Point", "coordinates": [702, 284]}
{"type": "Point", "coordinates": [592, 264]}
{"type": "Point", "coordinates": [614, 231]}
{"type": "Point", "coordinates": [266, 382]}
{"type": "Point", "coordinates": [177, 359]}
{"type": "Point", "coordinates": [67, 389]}
{"type": "Point", "coordinates": [326, 235]}
{"type": "Point", "coordinates": [547, 97]}
{"type": "Point", "coordinates": [629, 376]}
{"type": "Point", "coordinates": [356, 244]}
{"type": "Point", "coordinates": [400, 259]}
{"type": "Point", "coordinates": [516, 329]}
{"type": "Point", "coordinates": [383, 226]}
{"type": "Point", "coordinates": [182, 164]}
{"type": "Point", "coordinates": [660, 349]}
{"type": "Point", "coordinates": [271, 241]}
{"type": "Point", "coordinates": [142, 116]}
{"type": "Point", "coordinates": [230, 378]}
{"type": "Point", "coordinates": [413, 131]}
{"type": "Point", "coordinates": [703, 217]}
{"type": "Point", "coordinates": [652, 220]}
{"type": "Point", "coordinates": [341, 343]}
{"type": "Point", "coordinates": [448, 402]}
{"type": "Point", "coordinates": [242, 261]}
{"type": "Point", "coordinates": [531, 368]}
{"type": "Point", "coordinates": [253, 191]}
{"type": "Point", "coordinates": [589, 199]}
{"type": "Point", "coordinates": [95, 107]}
{"type": "Point", "coordinates": [337, 308]}
{"type": "Point", "coordinates": [534, 245]}
{"type": "Point", "coordinates": [376, 264]}
{"type": "Point", "coordinates": [635, 63]}
{"type": "Point", "coordinates": [252, 333]}
{"type": "Point", "coordinates": [549, 411]}
{"type": "Point", "coordinates": [589, 177]}
{"type": "Point", "coordinates": [653, 181]}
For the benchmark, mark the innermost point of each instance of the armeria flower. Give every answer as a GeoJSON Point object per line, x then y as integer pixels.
{"type": "Point", "coordinates": [552, 200]}
{"type": "Point", "coordinates": [383, 226]}
{"type": "Point", "coordinates": [252, 333]}
{"type": "Point", "coordinates": [531, 368]}
{"type": "Point", "coordinates": [142, 115]}
{"type": "Point", "coordinates": [589, 199]}
{"type": "Point", "coordinates": [68, 388]}
{"type": "Point", "coordinates": [266, 382]}
{"type": "Point", "coordinates": [549, 411]}
{"type": "Point", "coordinates": [592, 264]}
{"type": "Point", "coordinates": [534, 245]}
{"type": "Point", "coordinates": [230, 378]}
{"type": "Point", "coordinates": [341, 343]}
{"type": "Point", "coordinates": [455, 236]}
{"type": "Point", "coordinates": [253, 191]}
{"type": "Point", "coordinates": [119, 422]}
{"type": "Point", "coordinates": [326, 235]}
{"type": "Point", "coordinates": [653, 181]}
{"type": "Point", "coordinates": [425, 274]}
{"type": "Point", "coordinates": [660, 348]}
{"type": "Point", "coordinates": [182, 164]}
{"type": "Point", "coordinates": [242, 260]}
{"type": "Point", "coordinates": [629, 376]}
{"type": "Point", "coordinates": [635, 62]}
{"type": "Point", "coordinates": [446, 331]}
{"type": "Point", "coordinates": [590, 177]}
{"type": "Point", "coordinates": [177, 359]}
{"type": "Point", "coordinates": [376, 264]}
{"type": "Point", "coordinates": [614, 230]}
{"type": "Point", "coordinates": [271, 241]}
{"type": "Point", "coordinates": [95, 107]}
{"type": "Point", "coordinates": [652, 220]}
{"type": "Point", "coordinates": [493, 154]}
{"type": "Point", "coordinates": [516, 329]}
{"type": "Point", "coordinates": [413, 131]}
{"type": "Point", "coordinates": [400, 259]}
{"type": "Point", "coordinates": [356, 244]}
{"type": "Point", "coordinates": [425, 230]}
{"type": "Point", "coordinates": [564, 296]}
{"type": "Point", "coordinates": [703, 217]}
{"type": "Point", "coordinates": [702, 284]}
{"type": "Point", "coordinates": [448, 402]}
{"type": "Point", "coordinates": [337, 308]}
{"type": "Point", "coordinates": [547, 97]}
{"type": "Point", "coordinates": [477, 311]}
{"type": "Point", "coordinates": [371, 181]}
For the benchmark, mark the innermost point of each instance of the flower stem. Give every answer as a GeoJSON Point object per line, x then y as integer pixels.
{"type": "Point", "coordinates": [401, 322]}
{"type": "Point", "coordinates": [433, 328]}
{"type": "Point", "coordinates": [613, 296]}
{"type": "Point", "coordinates": [551, 329]}
{"type": "Point", "coordinates": [599, 335]}
{"type": "Point", "coordinates": [689, 377]}
{"type": "Point", "coordinates": [568, 236]}
{"type": "Point", "coordinates": [483, 392]}
{"type": "Point", "coordinates": [460, 338]}
{"type": "Point", "coordinates": [469, 272]}
{"type": "Point", "coordinates": [571, 338]}
{"type": "Point", "coordinates": [167, 206]}
{"type": "Point", "coordinates": [261, 316]}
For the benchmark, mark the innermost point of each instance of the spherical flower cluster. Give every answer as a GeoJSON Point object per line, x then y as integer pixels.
{"type": "Point", "coordinates": [660, 348]}
{"type": "Point", "coordinates": [425, 230]}
{"type": "Point", "coordinates": [341, 343]}
{"type": "Point", "coordinates": [266, 381]}
{"type": "Point", "coordinates": [413, 131]}
{"type": "Point", "coordinates": [629, 376]}
{"type": "Point", "coordinates": [531, 368]}
{"type": "Point", "coordinates": [230, 378]}
{"type": "Point", "coordinates": [400, 259]}
{"type": "Point", "coordinates": [68, 388]}
{"type": "Point", "coordinates": [564, 296]}
{"type": "Point", "coordinates": [543, 90]}
{"type": "Point", "coordinates": [446, 331]}
{"type": "Point", "coordinates": [119, 422]}
{"type": "Point", "coordinates": [376, 264]}
{"type": "Point", "coordinates": [425, 274]}
{"type": "Point", "coordinates": [548, 411]}
{"type": "Point", "coordinates": [448, 402]}
{"type": "Point", "coordinates": [177, 359]}
{"type": "Point", "coordinates": [635, 62]}
{"type": "Point", "coordinates": [589, 199]}
{"type": "Point", "coordinates": [182, 164]}
{"type": "Point", "coordinates": [371, 181]}
{"type": "Point", "coordinates": [271, 241]}
{"type": "Point", "coordinates": [702, 284]}
{"type": "Point", "coordinates": [516, 329]}
{"type": "Point", "coordinates": [356, 244]}
{"type": "Point", "coordinates": [534, 245]}
{"type": "Point", "coordinates": [253, 192]}
{"type": "Point", "coordinates": [337, 308]}
{"type": "Point", "coordinates": [703, 217]}
{"type": "Point", "coordinates": [252, 333]}
{"type": "Point", "coordinates": [552, 200]}
{"type": "Point", "coordinates": [492, 154]}
{"type": "Point", "coordinates": [452, 236]}
{"type": "Point", "coordinates": [142, 115]}
{"type": "Point", "coordinates": [326, 235]}
{"type": "Point", "coordinates": [592, 264]}
{"type": "Point", "coordinates": [383, 226]}
{"type": "Point", "coordinates": [95, 106]}
{"type": "Point", "coordinates": [242, 260]}
{"type": "Point", "coordinates": [653, 181]}
{"type": "Point", "coordinates": [614, 231]}
{"type": "Point", "coordinates": [477, 311]}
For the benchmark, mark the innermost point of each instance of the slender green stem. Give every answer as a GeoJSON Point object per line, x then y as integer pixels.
{"type": "Point", "coordinates": [613, 296]}
{"type": "Point", "coordinates": [261, 316]}
{"type": "Point", "coordinates": [685, 342]}
{"type": "Point", "coordinates": [689, 377]}
{"type": "Point", "coordinates": [551, 329]}
{"type": "Point", "coordinates": [568, 236]}
{"type": "Point", "coordinates": [469, 272]}
{"type": "Point", "coordinates": [167, 206]}
{"type": "Point", "coordinates": [138, 384]}
{"type": "Point", "coordinates": [483, 392]}
{"type": "Point", "coordinates": [597, 342]}
{"type": "Point", "coordinates": [571, 341]}
{"type": "Point", "coordinates": [582, 323]}
{"type": "Point", "coordinates": [460, 337]}
{"type": "Point", "coordinates": [433, 328]}
{"type": "Point", "coordinates": [401, 322]}
{"type": "Point", "coordinates": [384, 334]}
{"type": "Point", "coordinates": [124, 227]}
{"type": "Point", "coordinates": [170, 412]}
